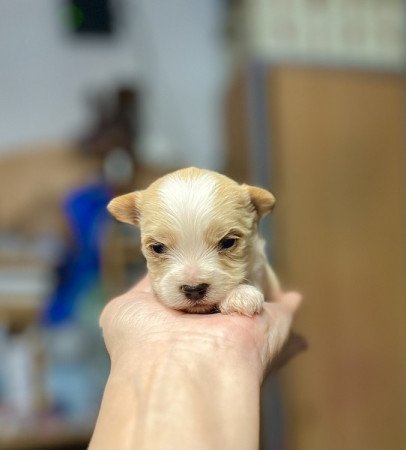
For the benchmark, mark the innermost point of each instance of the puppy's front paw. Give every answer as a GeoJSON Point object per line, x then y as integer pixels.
{"type": "Point", "coordinates": [244, 299]}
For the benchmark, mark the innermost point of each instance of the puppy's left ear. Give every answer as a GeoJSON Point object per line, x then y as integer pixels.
{"type": "Point", "coordinates": [262, 199]}
{"type": "Point", "coordinates": [125, 208]}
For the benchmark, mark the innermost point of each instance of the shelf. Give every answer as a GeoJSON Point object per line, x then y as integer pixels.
{"type": "Point", "coordinates": [55, 436]}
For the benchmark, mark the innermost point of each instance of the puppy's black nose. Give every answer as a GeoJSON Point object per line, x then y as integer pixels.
{"type": "Point", "coordinates": [194, 292]}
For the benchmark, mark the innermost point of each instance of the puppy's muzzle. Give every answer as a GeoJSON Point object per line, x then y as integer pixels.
{"type": "Point", "coordinates": [194, 292]}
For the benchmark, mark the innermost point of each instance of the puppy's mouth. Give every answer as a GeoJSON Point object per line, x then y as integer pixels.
{"type": "Point", "coordinates": [201, 304]}
{"type": "Point", "coordinates": [197, 297]}
{"type": "Point", "coordinates": [201, 307]}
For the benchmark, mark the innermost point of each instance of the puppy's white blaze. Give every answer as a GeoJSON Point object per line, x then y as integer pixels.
{"type": "Point", "coordinates": [192, 273]}
{"type": "Point", "coordinates": [189, 201]}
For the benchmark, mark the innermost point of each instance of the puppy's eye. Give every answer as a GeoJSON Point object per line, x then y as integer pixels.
{"type": "Point", "coordinates": [227, 242]}
{"type": "Point", "coordinates": [158, 248]}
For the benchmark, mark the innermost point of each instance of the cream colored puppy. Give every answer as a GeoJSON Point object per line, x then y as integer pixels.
{"type": "Point", "coordinates": [199, 235]}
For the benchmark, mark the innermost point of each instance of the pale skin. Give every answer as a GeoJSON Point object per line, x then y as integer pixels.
{"type": "Point", "coordinates": [188, 381]}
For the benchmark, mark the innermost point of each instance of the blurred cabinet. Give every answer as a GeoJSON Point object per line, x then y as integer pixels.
{"type": "Point", "coordinates": [338, 169]}
{"type": "Point", "coordinates": [237, 128]}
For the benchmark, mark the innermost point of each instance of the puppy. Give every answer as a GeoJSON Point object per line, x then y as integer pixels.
{"type": "Point", "coordinates": [199, 235]}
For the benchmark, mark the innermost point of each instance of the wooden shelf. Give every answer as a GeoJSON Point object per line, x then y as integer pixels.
{"type": "Point", "coordinates": [59, 436]}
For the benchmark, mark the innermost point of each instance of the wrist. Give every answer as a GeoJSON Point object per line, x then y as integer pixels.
{"type": "Point", "coordinates": [203, 352]}
{"type": "Point", "coordinates": [179, 395]}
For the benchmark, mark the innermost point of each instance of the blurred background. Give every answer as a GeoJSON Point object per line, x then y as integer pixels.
{"type": "Point", "coordinates": [305, 97]}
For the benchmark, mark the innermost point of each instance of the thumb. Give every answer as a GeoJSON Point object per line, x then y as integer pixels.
{"type": "Point", "coordinates": [290, 300]}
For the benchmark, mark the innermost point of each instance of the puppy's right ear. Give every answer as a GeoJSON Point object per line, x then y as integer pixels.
{"type": "Point", "coordinates": [125, 208]}
{"type": "Point", "coordinates": [262, 199]}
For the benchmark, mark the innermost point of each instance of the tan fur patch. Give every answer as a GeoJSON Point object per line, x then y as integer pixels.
{"type": "Point", "coordinates": [262, 199]}
{"type": "Point", "coordinates": [125, 208]}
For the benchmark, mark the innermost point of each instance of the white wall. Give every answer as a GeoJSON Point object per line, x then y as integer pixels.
{"type": "Point", "coordinates": [183, 60]}
{"type": "Point", "coordinates": [173, 48]}
{"type": "Point", "coordinates": [45, 73]}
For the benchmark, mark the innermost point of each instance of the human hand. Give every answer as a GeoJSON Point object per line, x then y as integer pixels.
{"type": "Point", "coordinates": [181, 380]}
{"type": "Point", "coordinates": [138, 328]}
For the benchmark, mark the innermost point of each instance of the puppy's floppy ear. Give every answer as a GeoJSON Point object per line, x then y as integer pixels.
{"type": "Point", "coordinates": [262, 199]}
{"type": "Point", "coordinates": [125, 208]}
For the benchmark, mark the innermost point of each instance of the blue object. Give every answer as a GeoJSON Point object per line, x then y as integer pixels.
{"type": "Point", "coordinates": [87, 216]}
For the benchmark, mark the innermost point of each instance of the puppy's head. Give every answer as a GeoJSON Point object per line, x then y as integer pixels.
{"type": "Point", "coordinates": [198, 229]}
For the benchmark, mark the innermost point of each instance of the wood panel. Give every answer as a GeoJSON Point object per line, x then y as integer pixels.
{"type": "Point", "coordinates": [338, 145]}
{"type": "Point", "coordinates": [238, 160]}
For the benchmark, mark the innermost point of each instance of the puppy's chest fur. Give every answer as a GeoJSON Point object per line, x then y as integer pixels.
{"type": "Point", "coordinates": [199, 237]}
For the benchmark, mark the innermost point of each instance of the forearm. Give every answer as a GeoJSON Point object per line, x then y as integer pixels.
{"type": "Point", "coordinates": [205, 399]}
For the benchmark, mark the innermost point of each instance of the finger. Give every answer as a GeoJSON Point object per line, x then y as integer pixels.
{"type": "Point", "coordinates": [291, 300]}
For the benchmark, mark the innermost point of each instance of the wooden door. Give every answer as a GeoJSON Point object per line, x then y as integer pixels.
{"type": "Point", "coordinates": [339, 171]}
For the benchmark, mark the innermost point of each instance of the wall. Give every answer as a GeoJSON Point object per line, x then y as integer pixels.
{"type": "Point", "coordinates": [45, 73]}
{"type": "Point", "coordinates": [184, 68]}
{"type": "Point", "coordinates": [173, 49]}
{"type": "Point", "coordinates": [350, 32]}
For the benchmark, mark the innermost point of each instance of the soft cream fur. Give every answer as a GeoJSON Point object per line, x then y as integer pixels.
{"type": "Point", "coordinates": [190, 211]}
